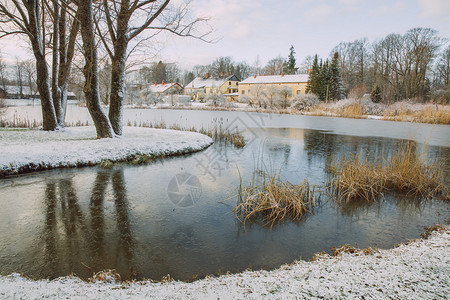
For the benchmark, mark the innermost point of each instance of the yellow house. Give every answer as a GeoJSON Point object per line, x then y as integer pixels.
{"type": "Point", "coordinates": [208, 85]}
{"type": "Point", "coordinates": [258, 85]}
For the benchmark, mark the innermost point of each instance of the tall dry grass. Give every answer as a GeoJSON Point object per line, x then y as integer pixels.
{"type": "Point", "coordinates": [354, 111]}
{"type": "Point", "coordinates": [18, 122]}
{"type": "Point", "coordinates": [356, 177]}
{"type": "Point", "coordinates": [430, 114]}
{"type": "Point", "coordinates": [274, 200]}
{"type": "Point", "coordinates": [218, 133]}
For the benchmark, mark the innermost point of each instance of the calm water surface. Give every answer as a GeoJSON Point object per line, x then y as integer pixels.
{"type": "Point", "coordinates": [176, 216]}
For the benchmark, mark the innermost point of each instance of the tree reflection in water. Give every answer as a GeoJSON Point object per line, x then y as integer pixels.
{"type": "Point", "coordinates": [83, 241]}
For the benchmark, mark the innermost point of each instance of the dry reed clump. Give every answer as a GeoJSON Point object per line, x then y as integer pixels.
{"type": "Point", "coordinates": [355, 178]}
{"type": "Point", "coordinates": [18, 122]}
{"type": "Point", "coordinates": [275, 200]}
{"type": "Point", "coordinates": [431, 229]}
{"type": "Point", "coordinates": [355, 111]}
{"type": "Point", "coordinates": [106, 276]}
{"type": "Point", "coordinates": [431, 114]}
{"type": "Point", "coordinates": [217, 132]}
{"type": "Point", "coordinates": [337, 251]}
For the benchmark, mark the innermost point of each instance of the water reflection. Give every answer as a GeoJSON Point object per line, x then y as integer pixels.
{"type": "Point", "coordinates": [67, 231]}
{"type": "Point", "coordinates": [87, 220]}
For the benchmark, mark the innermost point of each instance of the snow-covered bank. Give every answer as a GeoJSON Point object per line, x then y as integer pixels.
{"type": "Point", "coordinates": [27, 150]}
{"type": "Point", "coordinates": [418, 270]}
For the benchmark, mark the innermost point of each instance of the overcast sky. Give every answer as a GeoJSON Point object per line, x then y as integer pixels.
{"type": "Point", "coordinates": [247, 29]}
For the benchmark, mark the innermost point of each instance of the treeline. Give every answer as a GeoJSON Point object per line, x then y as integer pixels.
{"type": "Point", "coordinates": [22, 74]}
{"type": "Point", "coordinates": [106, 33]}
{"type": "Point", "coordinates": [399, 66]}
{"type": "Point", "coordinates": [413, 65]}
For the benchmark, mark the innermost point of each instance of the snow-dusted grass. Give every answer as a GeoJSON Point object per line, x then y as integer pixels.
{"type": "Point", "coordinates": [28, 150]}
{"type": "Point", "coordinates": [418, 270]}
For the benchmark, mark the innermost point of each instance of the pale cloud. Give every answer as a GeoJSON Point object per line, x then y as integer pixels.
{"type": "Point", "coordinates": [351, 1]}
{"type": "Point", "coordinates": [393, 8]}
{"type": "Point", "coordinates": [302, 3]}
{"type": "Point", "coordinates": [233, 18]}
{"type": "Point", "coordinates": [317, 13]}
{"type": "Point", "coordinates": [435, 8]}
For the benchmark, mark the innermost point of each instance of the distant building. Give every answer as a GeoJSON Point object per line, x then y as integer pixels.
{"type": "Point", "coordinates": [162, 89]}
{"type": "Point", "coordinates": [17, 92]}
{"type": "Point", "coordinates": [251, 85]}
{"type": "Point", "coordinates": [24, 92]}
{"type": "Point", "coordinates": [224, 85]}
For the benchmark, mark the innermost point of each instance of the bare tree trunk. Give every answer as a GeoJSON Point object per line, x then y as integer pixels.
{"type": "Point", "coordinates": [63, 52]}
{"type": "Point", "coordinates": [55, 63]}
{"type": "Point", "coordinates": [118, 86]}
{"type": "Point", "coordinates": [49, 121]}
{"type": "Point", "coordinates": [91, 86]}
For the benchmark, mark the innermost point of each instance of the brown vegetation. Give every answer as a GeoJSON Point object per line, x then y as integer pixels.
{"type": "Point", "coordinates": [217, 132]}
{"type": "Point", "coordinates": [357, 178]}
{"type": "Point", "coordinates": [275, 200]}
{"type": "Point", "coordinates": [429, 114]}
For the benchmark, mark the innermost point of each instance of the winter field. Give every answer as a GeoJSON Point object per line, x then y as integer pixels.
{"type": "Point", "coordinates": [417, 270]}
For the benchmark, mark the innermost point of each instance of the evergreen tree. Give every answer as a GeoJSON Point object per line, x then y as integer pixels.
{"type": "Point", "coordinates": [323, 82]}
{"type": "Point", "coordinates": [313, 80]}
{"type": "Point", "coordinates": [376, 94]}
{"type": "Point", "coordinates": [336, 89]}
{"type": "Point", "coordinates": [159, 72]}
{"type": "Point", "coordinates": [290, 65]}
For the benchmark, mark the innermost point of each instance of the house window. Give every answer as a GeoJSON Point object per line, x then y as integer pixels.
{"type": "Point", "coordinates": [299, 92]}
{"type": "Point", "coordinates": [229, 82]}
{"type": "Point", "coordinates": [243, 92]}
{"type": "Point", "coordinates": [237, 83]}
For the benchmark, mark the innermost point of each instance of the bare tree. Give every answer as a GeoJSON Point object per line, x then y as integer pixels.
{"type": "Point", "coordinates": [443, 68]}
{"type": "Point", "coordinates": [26, 17]}
{"type": "Point", "coordinates": [29, 73]}
{"type": "Point", "coordinates": [91, 86]}
{"type": "Point", "coordinates": [125, 20]}
{"type": "Point", "coordinates": [19, 77]}
{"type": "Point", "coordinates": [3, 72]}
{"type": "Point", "coordinates": [273, 95]}
{"type": "Point", "coordinates": [274, 66]}
{"type": "Point", "coordinates": [401, 62]}
{"type": "Point", "coordinates": [105, 83]}
{"type": "Point", "coordinates": [306, 64]}
{"type": "Point", "coordinates": [63, 14]}
{"type": "Point", "coordinates": [354, 58]}
{"type": "Point", "coordinates": [257, 94]}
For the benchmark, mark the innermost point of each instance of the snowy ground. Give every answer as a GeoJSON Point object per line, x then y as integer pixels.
{"type": "Point", "coordinates": [27, 150]}
{"type": "Point", "coordinates": [419, 270]}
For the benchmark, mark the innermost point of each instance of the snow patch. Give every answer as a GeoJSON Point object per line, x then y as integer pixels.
{"type": "Point", "coordinates": [418, 270]}
{"type": "Point", "coordinates": [26, 150]}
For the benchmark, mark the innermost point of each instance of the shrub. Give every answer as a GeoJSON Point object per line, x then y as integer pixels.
{"type": "Point", "coordinates": [441, 96]}
{"type": "Point", "coordinates": [376, 94]}
{"type": "Point", "coordinates": [305, 101]}
{"type": "Point", "coordinates": [358, 91]}
{"type": "Point", "coordinates": [244, 99]}
{"type": "Point", "coordinates": [215, 100]}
